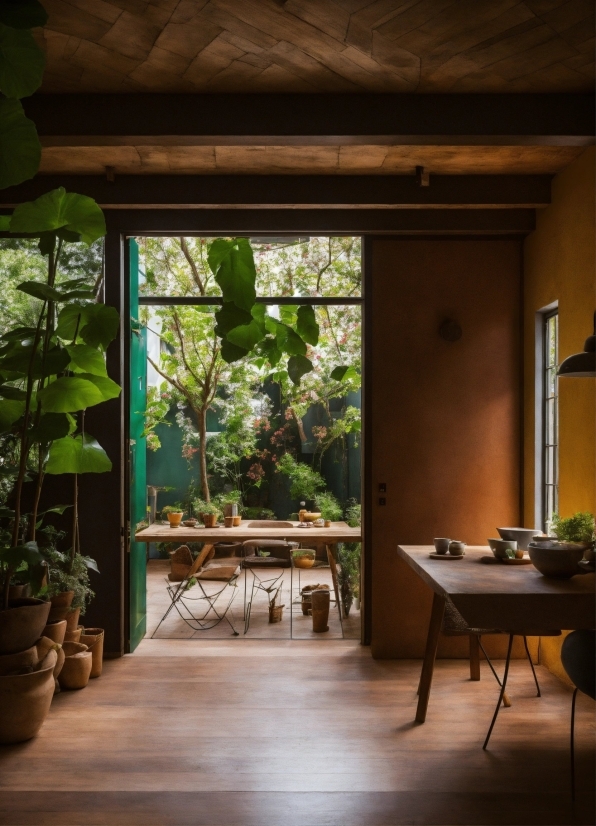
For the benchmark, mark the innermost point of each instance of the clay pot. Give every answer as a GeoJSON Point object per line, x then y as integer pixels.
{"type": "Point", "coordinates": [22, 623]}
{"type": "Point", "coordinates": [72, 619]}
{"type": "Point", "coordinates": [320, 610]}
{"type": "Point", "coordinates": [74, 636]}
{"type": "Point", "coordinates": [60, 605]}
{"type": "Point", "coordinates": [209, 519]}
{"type": "Point", "coordinates": [61, 656]}
{"type": "Point", "coordinates": [13, 663]}
{"type": "Point", "coordinates": [175, 519]}
{"type": "Point", "coordinates": [93, 639]}
{"type": "Point", "coordinates": [228, 521]}
{"type": "Point", "coordinates": [77, 666]}
{"type": "Point", "coordinates": [19, 591]}
{"type": "Point", "coordinates": [25, 700]}
{"type": "Point", "coordinates": [55, 631]}
{"type": "Point", "coordinates": [236, 520]}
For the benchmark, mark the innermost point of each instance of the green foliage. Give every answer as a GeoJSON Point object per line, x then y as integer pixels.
{"type": "Point", "coordinates": [348, 574]}
{"type": "Point", "coordinates": [77, 454]}
{"type": "Point", "coordinates": [21, 62]}
{"type": "Point", "coordinates": [155, 413]}
{"type": "Point", "coordinates": [258, 513]}
{"type": "Point", "coordinates": [59, 209]}
{"type": "Point", "coordinates": [201, 507]}
{"type": "Point", "coordinates": [232, 264]}
{"type": "Point", "coordinates": [353, 513]}
{"type": "Point", "coordinates": [68, 574]}
{"type": "Point", "coordinates": [305, 482]}
{"type": "Point", "coordinates": [20, 149]}
{"type": "Point", "coordinates": [576, 528]}
{"type": "Point", "coordinates": [328, 506]}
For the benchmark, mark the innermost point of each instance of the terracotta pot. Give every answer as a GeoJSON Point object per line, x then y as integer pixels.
{"type": "Point", "coordinates": [60, 605]}
{"type": "Point", "coordinates": [228, 521]}
{"type": "Point", "coordinates": [25, 700]}
{"type": "Point", "coordinates": [55, 631]}
{"type": "Point", "coordinates": [175, 519]}
{"type": "Point", "coordinates": [21, 625]}
{"type": "Point", "coordinates": [320, 610]}
{"type": "Point", "coordinates": [236, 520]}
{"type": "Point", "coordinates": [209, 519]}
{"type": "Point", "coordinates": [72, 619]}
{"type": "Point", "coordinates": [71, 648]}
{"type": "Point", "coordinates": [13, 663]}
{"type": "Point", "coordinates": [76, 669]}
{"type": "Point", "coordinates": [74, 636]}
{"type": "Point", "coordinates": [58, 668]}
{"type": "Point", "coordinates": [93, 639]}
{"type": "Point", "coordinates": [19, 591]}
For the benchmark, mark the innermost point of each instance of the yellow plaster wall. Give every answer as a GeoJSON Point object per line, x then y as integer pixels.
{"type": "Point", "coordinates": [559, 265]}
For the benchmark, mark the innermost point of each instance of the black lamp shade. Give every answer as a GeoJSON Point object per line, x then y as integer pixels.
{"type": "Point", "coordinates": [581, 365]}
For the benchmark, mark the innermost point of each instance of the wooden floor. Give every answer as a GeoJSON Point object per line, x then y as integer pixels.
{"type": "Point", "coordinates": [296, 733]}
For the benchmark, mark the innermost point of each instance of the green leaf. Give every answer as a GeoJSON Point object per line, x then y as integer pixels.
{"type": "Point", "coordinates": [231, 352]}
{"type": "Point", "coordinates": [20, 149]}
{"type": "Point", "coordinates": [247, 335]}
{"type": "Point", "coordinates": [10, 412]}
{"type": "Point", "coordinates": [22, 14]}
{"type": "Point", "coordinates": [233, 265]}
{"type": "Point", "coordinates": [21, 62]}
{"type": "Point", "coordinates": [56, 361]}
{"type": "Point", "coordinates": [51, 426]}
{"type": "Point", "coordinates": [343, 373]}
{"type": "Point", "coordinates": [56, 509]}
{"type": "Point", "coordinates": [5, 223]}
{"type": "Point", "coordinates": [7, 391]}
{"type": "Point", "coordinates": [287, 313]}
{"type": "Point", "coordinates": [28, 553]}
{"type": "Point", "coordinates": [57, 209]}
{"type": "Point", "coordinates": [268, 347]}
{"type": "Point", "coordinates": [68, 319]}
{"type": "Point", "coordinates": [229, 317]}
{"type": "Point", "coordinates": [90, 563]}
{"type": "Point", "coordinates": [108, 388]}
{"type": "Point", "coordinates": [39, 290]}
{"type": "Point", "coordinates": [19, 333]}
{"type": "Point", "coordinates": [101, 326]}
{"type": "Point", "coordinates": [69, 394]}
{"type": "Point", "coordinates": [306, 325]}
{"type": "Point", "coordinates": [290, 342]}
{"type": "Point", "coordinates": [78, 454]}
{"type": "Point", "coordinates": [298, 366]}
{"type": "Point", "coordinates": [87, 359]}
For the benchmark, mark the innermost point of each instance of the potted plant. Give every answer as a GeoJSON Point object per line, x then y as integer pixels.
{"type": "Point", "coordinates": [209, 513]}
{"type": "Point", "coordinates": [67, 573]}
{"type": "Point", "coordinates": [329, 507]}
{"type": "Point", "coordinates": [560, 558]}
{"type": "Point", "coordinates": [303, 558]}
{"type": "Point", "coordinates": [173, 514]}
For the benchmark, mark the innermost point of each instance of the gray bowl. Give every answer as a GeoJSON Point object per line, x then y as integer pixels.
{"type": "Point", "coordinates": [555, 561]}
{"type": "Point", "coordinates": [523, 536]}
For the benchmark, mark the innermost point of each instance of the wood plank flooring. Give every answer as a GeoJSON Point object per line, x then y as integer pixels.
{"type": "Point", "coordinates": [288, 733]}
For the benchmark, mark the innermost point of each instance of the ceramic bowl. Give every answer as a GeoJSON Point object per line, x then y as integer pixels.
{"type": "Point", "coordinates": [499, 547]}
{"type": "Point", "coordinates": [556, 560]}
{"type": "Point", "coordinates": [523, 536]}
{"type": "Point", "coordinates": [311, 517]}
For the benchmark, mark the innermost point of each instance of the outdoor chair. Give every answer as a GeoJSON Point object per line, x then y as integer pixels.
{"type": "Point", "coordinates": [270, 583]}
{"type": "Point", "coordinates": [198, 609]}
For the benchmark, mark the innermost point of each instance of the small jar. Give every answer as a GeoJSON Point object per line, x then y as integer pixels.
{"type": "Point", "coordinates": [457, 547]}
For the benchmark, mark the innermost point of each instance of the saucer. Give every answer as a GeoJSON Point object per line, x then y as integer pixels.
{"type": "Point", "coordinates": [445, 556]}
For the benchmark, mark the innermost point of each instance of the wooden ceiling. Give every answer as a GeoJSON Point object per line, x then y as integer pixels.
{"type": "Point", "coordinates": [319, 46]}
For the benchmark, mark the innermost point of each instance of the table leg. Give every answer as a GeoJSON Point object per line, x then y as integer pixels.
{"type": "Point", "coordinates": [333, 567]}
{"type": "Point", "coordinates": [474, 657]}
{"type": "Point", "coordinates": [432, 642]}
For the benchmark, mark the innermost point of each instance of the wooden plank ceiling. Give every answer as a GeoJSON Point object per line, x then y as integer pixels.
{"type": "Point", "coordinates": [319, 46]}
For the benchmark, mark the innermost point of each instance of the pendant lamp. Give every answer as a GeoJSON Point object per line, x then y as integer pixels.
{"type": "Point", "coordinates": [581, 365]}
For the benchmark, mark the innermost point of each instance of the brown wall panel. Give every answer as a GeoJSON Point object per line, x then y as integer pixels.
{"type": "Point", "coordinates": [445, 415]}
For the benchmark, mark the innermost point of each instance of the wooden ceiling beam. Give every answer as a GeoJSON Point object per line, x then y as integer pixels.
{"type": "Point", "coordinates": [166, 222]}
{"type": "Point", "coordinates": [373, 192]}
{"type": "Point", "coordinates": [274, 119]}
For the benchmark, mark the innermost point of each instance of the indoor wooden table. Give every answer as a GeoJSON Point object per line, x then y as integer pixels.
{"type": "Point", "coordinates": [338, 532]}
{"type": "Point", "coordinates": [512, 598]}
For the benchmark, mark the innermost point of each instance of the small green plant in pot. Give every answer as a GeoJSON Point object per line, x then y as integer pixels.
{"type": "Point", "coordinates": [577, 529]}
{"type": "Point", "coordinates": [173, 514]}
{"type": "Point", "coordinates": [209, 513]}
{"type": "Point", "coordinates": [66, 573]}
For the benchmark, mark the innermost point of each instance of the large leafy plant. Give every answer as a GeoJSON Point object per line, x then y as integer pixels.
{"type": "Point", "coordinates": [52, 371]}
{"type": "Point", "coordinates": [22, 63]}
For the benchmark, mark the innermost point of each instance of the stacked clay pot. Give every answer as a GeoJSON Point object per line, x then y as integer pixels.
{"type": "Point", "coordinates": [76, 670]}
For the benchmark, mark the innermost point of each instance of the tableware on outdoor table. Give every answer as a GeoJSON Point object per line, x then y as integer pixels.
{"type": "Point", "coordinates": [446, 556]}
{"type": "Point", "coordinates": [499, 547]}
{"type": "Point", "coordinates": [457, 547]}
{"type": "Point", "coordinates": [441, 545]}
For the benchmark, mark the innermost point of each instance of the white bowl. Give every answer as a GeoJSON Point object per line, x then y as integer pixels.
{"type": "Point", "coordinates": [523, 536]}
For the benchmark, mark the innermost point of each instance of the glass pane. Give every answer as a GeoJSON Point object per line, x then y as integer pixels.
{"type": "Point", "coordinates": [287, 266]}
{"type": "Point", "coordinates": [551, 382]}
{"type": "Point", "coordinates": [550, 438]}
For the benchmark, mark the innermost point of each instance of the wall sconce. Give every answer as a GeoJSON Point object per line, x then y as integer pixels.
{"type": "Point", "coordinates": [450, 330]}
{"type": "Point", "coordinates": [581, 365]}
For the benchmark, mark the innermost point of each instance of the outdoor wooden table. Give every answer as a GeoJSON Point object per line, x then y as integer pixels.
{"type": "Point", "coordinates": [513, 598]}
{"type": "Point", "coordinates": [338, 532]}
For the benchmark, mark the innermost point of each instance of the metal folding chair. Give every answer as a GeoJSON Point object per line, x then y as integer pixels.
{"type": "Point", "coordinates": [201, 611]}
{"type": "Point", "coordinates": [271, 582]}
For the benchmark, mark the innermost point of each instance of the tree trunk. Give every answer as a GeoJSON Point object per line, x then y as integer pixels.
{"type": "Point", "coordinates": [202, 426]}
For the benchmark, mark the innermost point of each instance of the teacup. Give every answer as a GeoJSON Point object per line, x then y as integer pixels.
{"type": "Point", "coordinates": [457, 547]}
{"type": "Point", "coordinates": [499, 547]}
{"type": "Point", "coordinates": [441, 545]}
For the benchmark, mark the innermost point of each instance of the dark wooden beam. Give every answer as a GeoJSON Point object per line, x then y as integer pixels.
{"type": "Point", "coordinates": [296, 191]}
{"type": "Point", "coordinates": [485, 119]}
{"type": "Point", "coordinates": [322, 221]}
